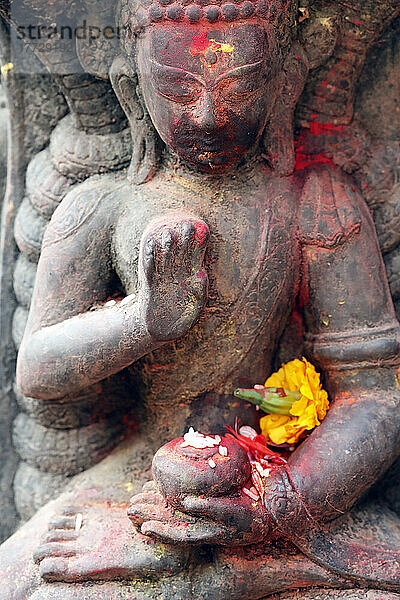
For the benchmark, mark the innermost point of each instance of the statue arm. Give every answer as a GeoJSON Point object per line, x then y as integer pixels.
{"type": "Point", "coordinates": [354, 338]}
{"type": "Point", "coordinates": [69, 343]}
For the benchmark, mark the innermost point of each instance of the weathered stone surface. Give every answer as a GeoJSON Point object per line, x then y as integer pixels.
{"type": "Point", "coordinates": [3, 143]}
{"type": "Point", "coordinates": [201, 196]}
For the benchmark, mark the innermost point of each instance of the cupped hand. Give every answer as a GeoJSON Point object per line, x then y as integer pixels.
{"type": "Point", "coordinates": [229, 520]}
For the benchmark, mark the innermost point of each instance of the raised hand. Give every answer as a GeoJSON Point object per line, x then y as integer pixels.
{"type": "Point", "coordinates": [172, 275]}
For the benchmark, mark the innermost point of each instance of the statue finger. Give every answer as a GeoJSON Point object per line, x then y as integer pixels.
{"type": "Point", "coordinates": [220, 509]}
{"type": "Point", "coordinates": [202, 532]}
{"type": "Point", "coordinates": [150, 486]}
{"type": "Point", "coordinates": [139, 513]}
{"type": "Point", "coordinates": [148, 497]}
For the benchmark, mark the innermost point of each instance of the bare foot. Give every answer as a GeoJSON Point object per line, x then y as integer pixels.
{"type": "Point", "coordinates": [174, 281]}
{"type": "Point", "coordinates": [98, 542]}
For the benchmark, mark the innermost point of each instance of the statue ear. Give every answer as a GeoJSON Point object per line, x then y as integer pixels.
{"type": "Point", "coordinates": [279, 135]}
{"type": "Point", "coordinates": [146, 142]}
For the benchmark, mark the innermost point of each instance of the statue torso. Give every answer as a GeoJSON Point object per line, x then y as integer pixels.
{"type": "Point", "coordinates": [253, 268]}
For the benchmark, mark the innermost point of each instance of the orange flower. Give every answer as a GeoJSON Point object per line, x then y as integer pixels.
{"type": "Point", "coordinates": [305, 413]}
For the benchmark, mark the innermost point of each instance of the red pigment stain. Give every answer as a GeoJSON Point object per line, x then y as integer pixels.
{"type": "Point", "coordinates": [321, 128]}
{"type": "Point", "coordinates": [305, 158]}
{"type": "Point", "coordinates": [201, 233]}
{"type": "Point", "coordinates": [201, 44]}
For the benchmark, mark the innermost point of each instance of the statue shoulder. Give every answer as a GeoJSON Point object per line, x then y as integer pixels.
{"type": "Point", "coordinates": [332, 208]}
{"type": "Point", "coordinates": [90, 203]}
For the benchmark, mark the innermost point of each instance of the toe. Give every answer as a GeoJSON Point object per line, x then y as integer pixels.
{"type": "Point", "coordinates": [53, 569]}
{"type": "Point", "coordinates": [53, 550]}
{"type": "Point", "coordinates": [61, 522]}
{"type": "Point", "coordinates": [59, 535]}
{"type": "Point", "coordinates": [70, 511]}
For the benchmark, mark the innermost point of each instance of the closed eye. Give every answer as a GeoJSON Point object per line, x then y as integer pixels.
{"type": "Point", "coordinates": [176, 84]}
{"type": "Point", "coordinates": [241, 71]}
{"type": "Point", "coordinates": [241, 84]}
{"type": "Point", "coordinates": [179, 85]}
{"type": "Point", "coordinates": [240, 88]}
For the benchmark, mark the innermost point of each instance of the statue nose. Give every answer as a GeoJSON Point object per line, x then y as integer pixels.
{"type": "Point", "coordinates": [205, 115]}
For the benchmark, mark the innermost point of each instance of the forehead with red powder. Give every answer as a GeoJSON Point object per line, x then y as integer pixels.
{"type": "Point", "coordinates": [190, 47]}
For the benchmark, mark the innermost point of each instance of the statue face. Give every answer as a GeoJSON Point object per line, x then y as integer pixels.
{"type": "Point", "coordinates": [209, 90]}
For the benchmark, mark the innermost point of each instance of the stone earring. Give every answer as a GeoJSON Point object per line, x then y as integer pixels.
{"type": "Point", "coordinates": [279, 136]}
{"type": "Point", "coordinates": [146, 149]}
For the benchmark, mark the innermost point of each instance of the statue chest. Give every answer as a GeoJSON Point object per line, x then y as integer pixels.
{"type": "Point", "coordinates": [252, 247]}
{"type": "Point", "coordinates": [253, 264]}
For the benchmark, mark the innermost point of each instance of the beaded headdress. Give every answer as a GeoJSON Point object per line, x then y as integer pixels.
{"type": "Point", "coordinates": [136, 15]}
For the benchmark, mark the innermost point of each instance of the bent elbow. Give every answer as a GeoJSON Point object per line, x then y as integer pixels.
{"type": "Point", "coordinates": [23, 379]}
{"type": "Point", "coordinates": [33, 377]}
{"type": "Point", "coordinates": [27, 387]}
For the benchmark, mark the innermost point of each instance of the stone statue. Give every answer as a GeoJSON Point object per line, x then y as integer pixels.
{"type": "Point", "coordinates": [163, 285]}
{"type": "Point", "coordinates": [3, 129]}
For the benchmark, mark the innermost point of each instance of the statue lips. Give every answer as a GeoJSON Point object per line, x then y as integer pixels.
{"type": "Point", "coordinates": [187, 134]}
{"type": "Point", "coordinates": [212, 144]}
{"type": "Point", "coordinates": [195, 146]}
{"type": "Point", "coordinates": [227, 132]}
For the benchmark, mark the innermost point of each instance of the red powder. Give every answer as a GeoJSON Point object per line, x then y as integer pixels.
{"type": "Point", "coordinates": [200, 44]}
{"type": "Point", "coordinates": [306, 158]}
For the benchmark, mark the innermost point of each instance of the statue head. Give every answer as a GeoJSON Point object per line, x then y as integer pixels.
{"type": "Point", "coordinates": [209, 75]}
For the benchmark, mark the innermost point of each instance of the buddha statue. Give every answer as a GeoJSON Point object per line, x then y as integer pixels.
{"type": "Point", "coordinates": [180, 275]}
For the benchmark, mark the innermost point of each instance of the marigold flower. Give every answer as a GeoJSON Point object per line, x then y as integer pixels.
{"type": "Point", "coordinates": [306, 412]}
